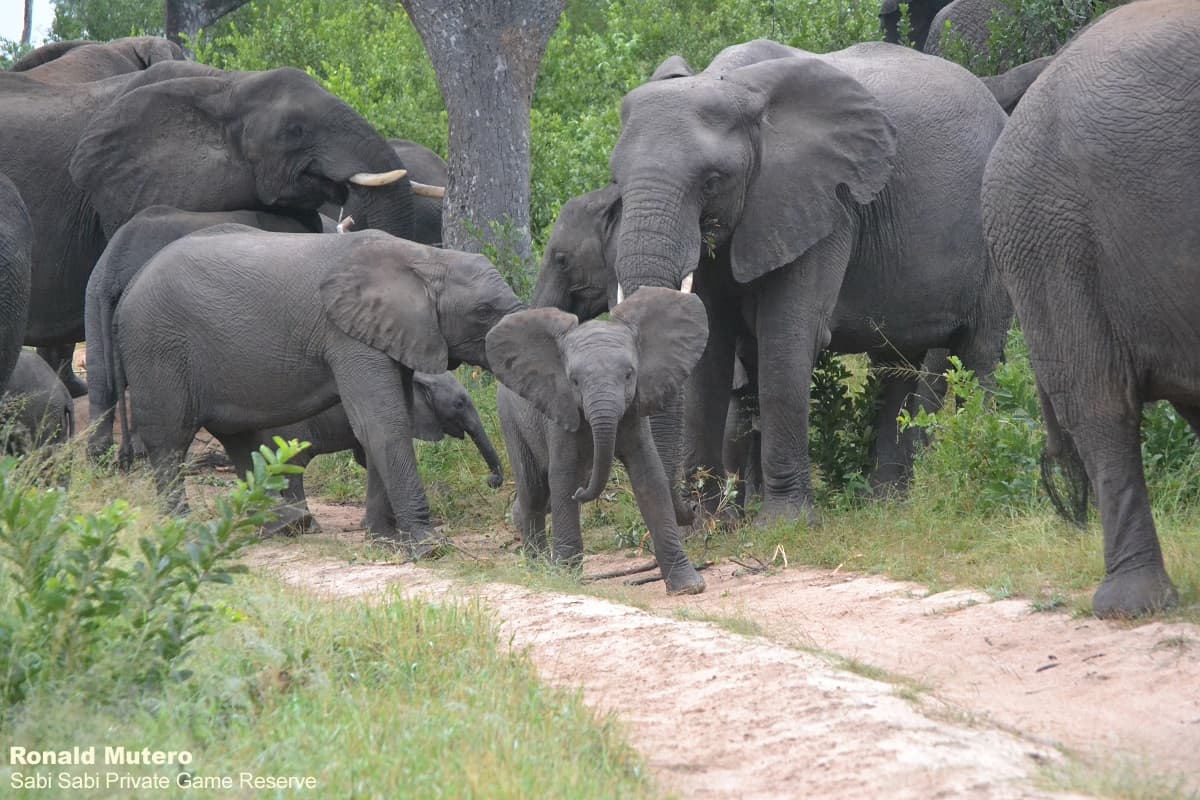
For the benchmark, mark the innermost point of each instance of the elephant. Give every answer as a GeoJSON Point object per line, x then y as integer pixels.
{"type": "Point", "coordinates": [920, 14]}
{"type": "Point", "coordinates": [1092, 219]}
{"type": "Point", "coordinates": [237, 330]}
{"type": "Point", "coordinates": [578, 275]}
{"type": "Point", "coordinates": [428, 175]}
{"type": "Point", "coordinates": [573, 396]}
{"type": "Point", "coordinates": [88, 156]}
{"type": "Point", "coordinates": [81, 61]}
{"type": "Point", "coordinates": [16, 244]}
{"type": "Point", "coordinates": [441, 407]}
{"type": "Point", "coordinates": [35, 408]}
{"type": "Point", "coordinates": [134, 244]}
{"type": "Point", "coordinates": [968, 19]}
{"type": "Point", "coordinates": [812, 201]}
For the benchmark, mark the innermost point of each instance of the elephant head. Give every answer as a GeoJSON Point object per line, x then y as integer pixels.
{"type": "Point", "coordinates": [761, 152]}
{"type": "Point", "coordinates": [601, 368]}
{"type": "Point", "coordinates": [81, 60]}
{"type": "Point", "coordinates": [579, 264]}
{"type": "Point", "coordinates": [201, 139]}
{"type": "Point", "coordinates": [427, 308]}
{"type": "Point", "coordinates": [441, 408]}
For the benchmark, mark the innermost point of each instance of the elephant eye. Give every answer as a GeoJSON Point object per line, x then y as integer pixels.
{"type": "Point", "coordinates": [295, 130]}
{"type": "Point", "coordinates": [629, 374]}
{"type": "Point", "coordinates": [712, 184]}
{"type": "Point", "coordinates": [560, 259]}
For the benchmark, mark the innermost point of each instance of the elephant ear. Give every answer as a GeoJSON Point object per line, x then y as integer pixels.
{"type": "Point", "coordinates": [818, 129]}
{"type": "Point", "coordinates": [387, 303]}
{"type": "Point", "coordinates": [523, 351]}
{"type": "Point", "coordinates": [673, 67]}
{"type": "Point", "coordinates": [672, 331]}
{"type": "Point", "coordinates": [425, 423]}
{"type": "Point", "coordinates": [163, 142]}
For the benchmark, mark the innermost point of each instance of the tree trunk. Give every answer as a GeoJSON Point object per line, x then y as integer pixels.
{"type": "Point", "coordinates": [27, 28]}
{"type": "Point", "coordinates": [486, 54]}
{"type": "Point", "coordinates": [188, 17]}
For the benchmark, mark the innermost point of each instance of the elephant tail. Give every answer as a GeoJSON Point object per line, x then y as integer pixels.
{"type": "Point", "coordinates": [1069, 496]}
{"type": "Point", "coordinates": [125, 454]}
{"type": "Point", "coordinates": [1010, 87]}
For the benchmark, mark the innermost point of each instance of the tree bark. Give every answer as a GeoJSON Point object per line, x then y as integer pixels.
{"type": "Point", "coordinates": [486, 54]}
{"type": "Point", "coordinates": [27, 28]}
{"type": "Point", "coordinates": [190, 16]}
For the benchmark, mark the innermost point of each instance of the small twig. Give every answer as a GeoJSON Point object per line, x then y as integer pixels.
{"type": "Point", "coordinates": [659, 577]}
{"type": "Point", "coordinates": [1045, 667]}
{"type": "Point", "coordinates": [750, 569]}
{"type": "Point", "coordinates": [622, 573]}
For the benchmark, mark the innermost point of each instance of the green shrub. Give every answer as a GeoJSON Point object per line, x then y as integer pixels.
{"type": "Point", "coordinates": [842, 424]}
{"type": "Point", "coordinates": [76, 599]}
{"type": "Point", "coordinates": [1021, 31]}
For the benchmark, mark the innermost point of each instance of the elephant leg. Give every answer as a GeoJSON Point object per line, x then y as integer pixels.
{"type": "Point", "coordinates": [379, 517]}
{"type": "Point", "coordinates": [569, 464]}
{"type": "Point", "coordinates": [1191, 415]}
{"type": "Point", "coordinates": [892, 451]}
{"type": "Point", "coordinates": [60, 357]}
{"type": "Point", "coordinates": [667, 429]}
{"type": "Point", "coordinates": [650, 488]}
{"type": "Point", "coordinates": [533, 495]}
{"type": "Point", "coordinates": [708, 406]}
{"type": "Point", "coordinates": [293, 516]}
{"type": "Point", "coordinates": [377, 396]}
{"type": "Point", "coordinates": [794, 306]}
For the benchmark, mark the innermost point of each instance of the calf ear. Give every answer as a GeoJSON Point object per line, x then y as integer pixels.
{"type": "Point", "coordinates": [523, 351]}
{"type": "Point", "coordinates": [672, 332]}
{"type": "Point", "coordinates": [425, 423]}
{"type": "Point", "coordinates": [386, 303]}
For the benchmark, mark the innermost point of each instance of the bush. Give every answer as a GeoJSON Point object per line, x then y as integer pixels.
{"type": "Point", "coordinates": [77, 600]}
{"type": "Point", "coordinates": [1021, 31]}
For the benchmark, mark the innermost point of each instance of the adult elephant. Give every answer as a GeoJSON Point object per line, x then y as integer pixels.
{"type": "Point", "coordinates": [826, 207]}
{"type": "Point", "coordinates": [968, 20]}
{"type": "Point", "coordinates": [1093, 220]}
{"type": "Point", "coordinates": [428, 175]}
{"type": "Point", "coordinates": [86, 157]}
{"type": "Point", "coordinates": [16, 244]}
{"type": "Point", "coordinates": [920, 16]}
{"type": "Point", "coordinates": [81, 61]}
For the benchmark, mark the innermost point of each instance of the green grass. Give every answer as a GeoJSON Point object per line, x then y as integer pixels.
{"type": "Point", "coordinates": [1121, 780]}
{"type": "Point", "coordinates": [392, 699]}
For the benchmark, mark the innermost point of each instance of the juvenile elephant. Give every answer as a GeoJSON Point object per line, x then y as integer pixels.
{"type": "Point", "coordinates": [35, 408]}
{"type": "Point", "coordinates": [134, 244]}
{"type": "Point", "coordinates": [819, 201]}
{"type": "Point", "coordinates": [16, 244]}
{"type": "Point", "coordinates": [441, 407]}
{"type": "Point", "coordinates": [239, 330]}
{"type": "Point", "coordinates": [88, 156]}
{"type": "Point", "coordinates": [1093, 220]}
{"type": "Point", "coordinates": [576, 395]}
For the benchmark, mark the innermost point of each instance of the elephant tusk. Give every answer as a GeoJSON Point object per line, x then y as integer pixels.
{"type": "Point", "coordinates": [620, 294]}
{"type": "Point", "coordinates": [377, 178]}
{"type": "Point", "coordinates": [427, 189]}
{"type": "Point", "coordinates": [345, 224]}
{"type": "Point", "coordinates": [686, 285]}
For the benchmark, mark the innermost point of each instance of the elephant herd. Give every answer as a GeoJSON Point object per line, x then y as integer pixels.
{"type": "Point", "coordinates": [772, 205]}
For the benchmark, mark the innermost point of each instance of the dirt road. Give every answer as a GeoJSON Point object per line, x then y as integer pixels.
{"type": "Point", "coordinates": [977, 697]}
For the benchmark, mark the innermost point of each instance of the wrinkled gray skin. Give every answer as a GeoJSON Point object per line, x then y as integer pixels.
{"type": "Point", "coordinates": [578, 275]}
{"type": "Point", "coordinates": [575, 396]}
{"type": "Point", "coordinates": [920, 15]}
{"type": "Point", "coordinates": [37, 406]}
{"type": "Point", "coordinates": [348, 316]}
{"type": "Point", "coordinates": [441, 407]}
{"type": "Point", "coordinates": [969, 21]}
{"type": "Point", "coordinates": [426, 167]}
{"type": "Point", "coordinates": [86, 157]}
{"type": "Point", "coordinates": [839, 194]}
{"type": "Point", "coordinates": [16, 244]}
{"type": "Point", "coordinates": [81, 61]}
{"type": "Point", "coordinates": [127, 252]}
{"type": "Point", "coordinates": [1093, 219]}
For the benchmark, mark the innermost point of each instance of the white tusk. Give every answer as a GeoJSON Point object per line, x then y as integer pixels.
{"type": "Point", "coordinates": [427, 189]}
{"type": "Point", "coordinates": [345, 224]}
{"type": "Point", "coordinates": [686, 285]}
{"type": "Point", "coordinates": [620, 294]}
{"type": "Point", "coordinates": [377, 178]}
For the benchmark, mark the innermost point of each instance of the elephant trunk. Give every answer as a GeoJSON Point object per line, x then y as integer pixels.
{"type": "Point", "coordinates": [388, 207]}
{"type": "Point", "coordinates": [660, 240]}
{"type": "Point", "coordinates": [483, 444]}
{"type": "Point", "coordinates": [602, 408]}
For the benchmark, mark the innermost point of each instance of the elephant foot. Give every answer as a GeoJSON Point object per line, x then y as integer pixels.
{"type": "Point", "coordinates": [292, 521]}
{"type": "Point", "coordinates": [495, 481]}
{"type": "Point", "coordinates": [787, 512]}
{"type": "Point", "coordinates": [426, 544]}
{"type": "Point", "coordinates": [683, 580]}
{"type": "Point", "coordinates": [1134, 593]}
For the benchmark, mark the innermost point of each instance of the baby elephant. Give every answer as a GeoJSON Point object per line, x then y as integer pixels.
{"type": "Point", "coordinates": [441, 408]}
{"type": "Point", "coordinates": [576, 395]}
{"type": "Point", "coordinates": [36, 408]}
